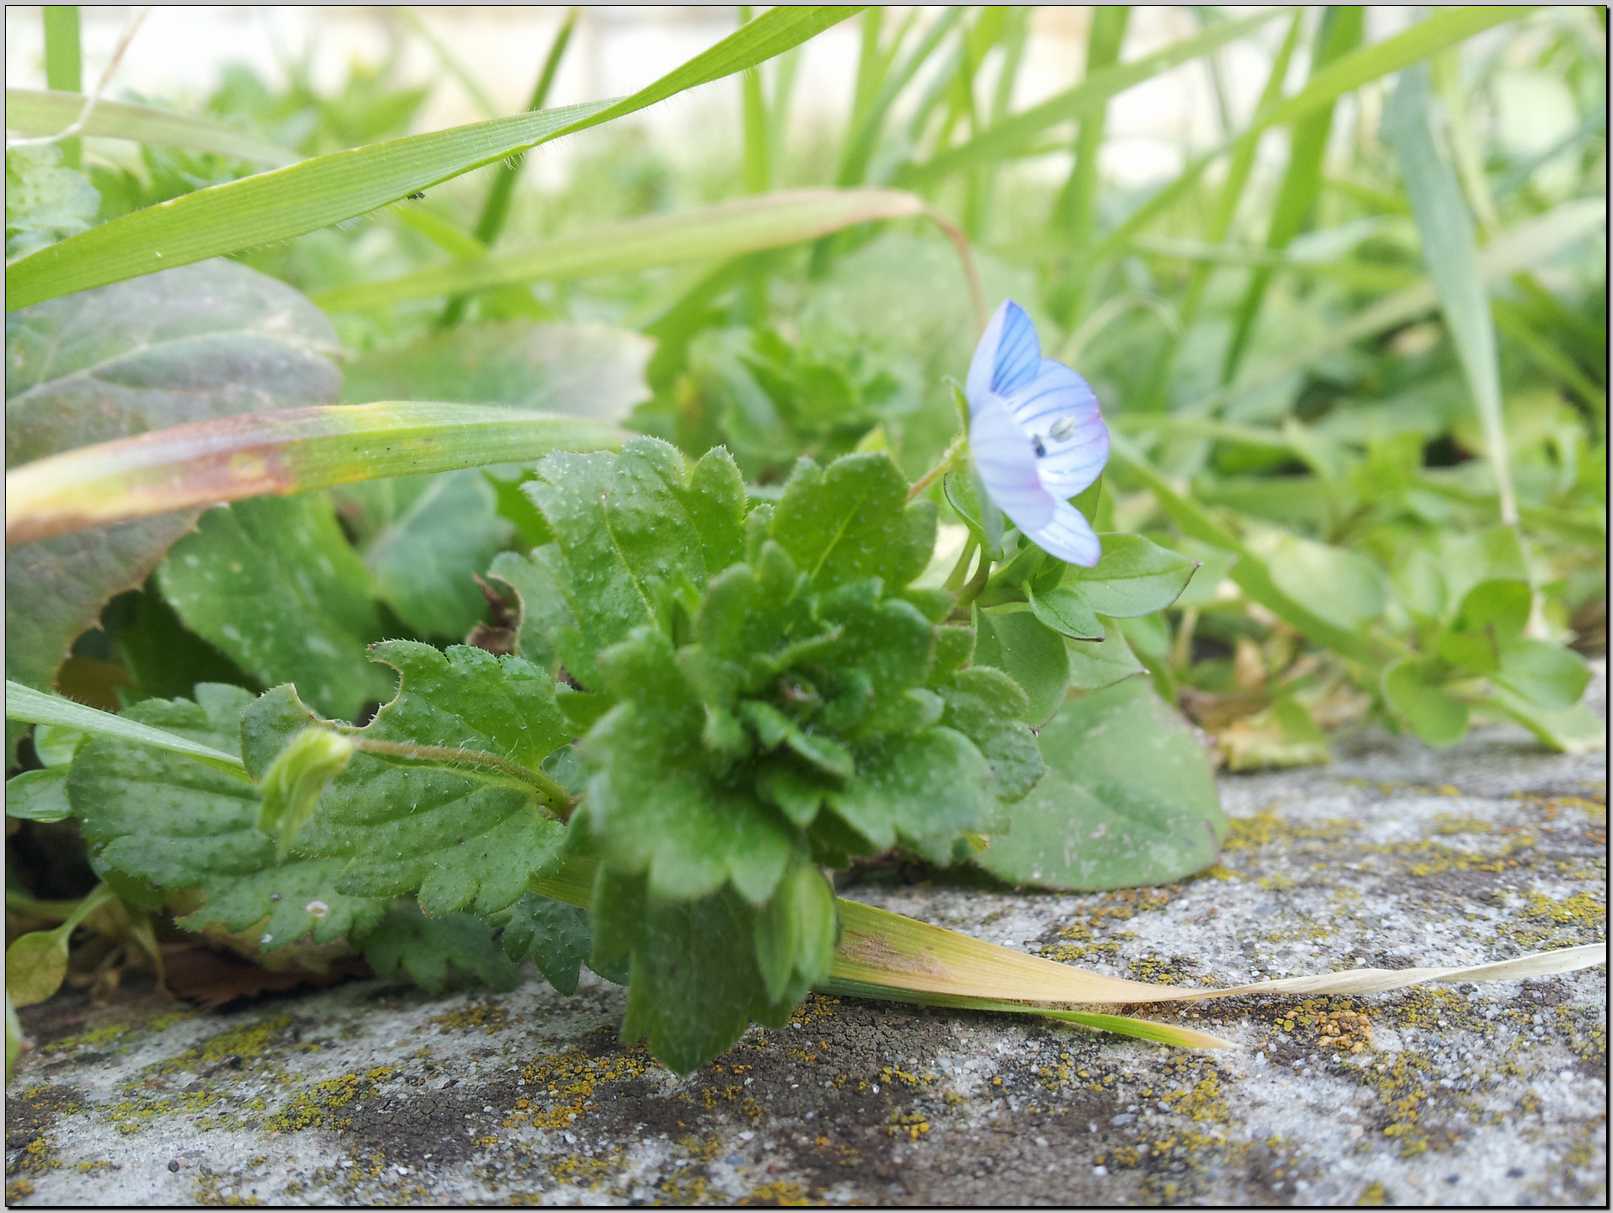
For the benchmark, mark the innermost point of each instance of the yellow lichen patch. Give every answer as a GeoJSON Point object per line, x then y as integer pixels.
{"type": "Point", "coordinates": [582, 1171]}
{"type": "Point", "coordinates": [1454, 823]}
{"type": "Point", "coordinates": [486, 1017]}
{"type": "Point", "coordinates": [911, 1125]}
{"type": "Point", "coordinates": [815, 1008]}
{"type": "Point", "coordinates": [565, 1082]}
{"type": "Point", "coordinates": [37, 1157]}
{"type": "Point", "coordinates": [1202, 1102]}
{"type": "Point", "coordinates": [18, 1189]}
{"type": "Point", "coordinates": [320, 1106]}
{"type": "Point", "coordinates": [1373, 1194]}
{"type": "Point", "coordinates": [1266, 827]}
{"type": "Point", "coordinates": [1548, 922]}
{"type": "Point", "coordinates": [779, 1193]}
{"type": "Point", "coordinates": [96, 1036]}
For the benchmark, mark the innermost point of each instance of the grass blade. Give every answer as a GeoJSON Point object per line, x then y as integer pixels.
{"type": "Point", "coordinates": [280, 452]}
{"type": "Point", "coordinates": [64, 72]}
{"type": "Point", "coordinates": [496, 207]}
{"type": "Point", "coordinates": [1339, 34]}
{"type": "Point", "coordinates": [31, 111]}
{"type": "Point", "coordinates": [29, 706]}
{"type": "Point", "coordinates": [710, 233]}
{"type": "Point", "coordinates": [318, 192]}
{"type": "Point", "coordinates": [1450, 247]}
{"type": "Point", "coordinates": [1009, 137]}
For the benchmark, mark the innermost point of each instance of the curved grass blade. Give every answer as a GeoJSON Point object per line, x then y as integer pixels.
{"type": "Point", "coordinates": [318, 192]}
{"type": "Point", "coordinates": [33, 111]}
{"type": "Point", "coordinates": [29, 706]}
{"type": "Point", "coordinates": [709, 233]}
{"type": "Point", "coordinates": [281, 452]}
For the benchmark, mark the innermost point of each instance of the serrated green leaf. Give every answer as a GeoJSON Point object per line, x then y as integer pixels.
{"type": "Point", "coordinates": [448, 804]}
{"type": "Point", "coordinates": [635, 535]}
{"type": "Point", "coordinates": [439, 953]}
{"type": "Point", "coordinates": [274, 584]}
{"type": "Point", "coordinates": [694, 985]}
{"type": "Point", "coordinates": [107, 365]}
{"type": "Point", "coordinates": [795, 933]}
{"type": "Point", "coordinates": [191, 829]}
{"type": "Point", "coordinates": [989, 708]}
{"type": "Point", "coordinates": [1134, 576]}
{"type": "Point", "coordinates": [1414, 690]}
{"type": "Point", "coordinates": [553, 935]}
{"type": "Point", "coordinates": [46, 200]}
{"type": "Point", "coordinates": [1129, 799]}
{"type": "Point", "coordinates": [1033, 655]}
{"type": "Point", "coordinates": [921, 790]}
{"type": "Point", "coordinates": [38, 795]}
{"type": "Point", "coordinates": [851, 520]}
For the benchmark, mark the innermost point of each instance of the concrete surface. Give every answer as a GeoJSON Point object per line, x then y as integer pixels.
{"type": "Point", "coordinates": [1496, 1094]}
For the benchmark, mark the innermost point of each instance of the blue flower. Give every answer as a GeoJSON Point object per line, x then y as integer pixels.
{"type": "Point", "coordinates": [1036, 435]}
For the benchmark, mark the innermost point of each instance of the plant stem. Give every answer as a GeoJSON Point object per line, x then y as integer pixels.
{"type": "Point", "coordinates": [554, 797]}
{"type": "Point", "coordinates": [949, 458]}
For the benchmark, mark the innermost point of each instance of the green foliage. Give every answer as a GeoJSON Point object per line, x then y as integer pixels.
{"type": "Point", "coordinates": [46, 200]}
{"type": "Point", "coordinates": [438, 954]}
{"type": "Point", "coordinates": [274, 584]}
{"type": "Point", "coordinates": [1128, 800]}
{"type": "Point", "coordinates": [552, 935]}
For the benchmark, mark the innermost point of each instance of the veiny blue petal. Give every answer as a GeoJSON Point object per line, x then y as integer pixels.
{"type": "Point", "coordinates": [1006, 461]}
{"type": "Point", "coordinates": [1068, 536]}
{"type": "Point", "coordinates": [1058, 410]}
{"type": "Point", "coordinates": [1007, 357]}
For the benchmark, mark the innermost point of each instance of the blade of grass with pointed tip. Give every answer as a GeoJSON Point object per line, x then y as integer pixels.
{"type": "Point", "coordinates": [1450, 248]}
{"type": "Point", "coordinates": [318, 192]}
{"type": "Point", "coordinates": [708, 234]}
{"type": "Point", "coordinates": [280, 452]}
{"type": "Point", "coordinates": [1361, 67]}
{"type": "Point", "coordinates": [1338, 35]}
{"type": "Point", "coordinates": [32, 111]}
{"type": "Point", "coordinates": [28, 706]}
{"type": "Point", "coordinates": [1007, 138]}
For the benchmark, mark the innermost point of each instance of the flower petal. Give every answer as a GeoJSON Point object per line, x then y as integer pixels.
{"type": "Point", "coordinates": [1007, 462]}
{"type": "Point", "coordinates": [1006, 358]}
{"type": "Point", "coordinates": [1068, 536]}
{"type": "Point", "coordinates": [1057, 408]}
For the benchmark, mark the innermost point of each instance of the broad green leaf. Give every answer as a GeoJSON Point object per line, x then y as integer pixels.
{"type": "Point", "coordinates": [36, 966]}
{"type": "Point", "coordinates": [208, 342]}
{"type": "Point", "coordinates": [850, 520]}
{"type": "Point", "coordinates": [31, 111]}
{"type": "Point", "coordinates": [26, 705]}
{"type": "Point", "coordinates": [191, 830]}
{"type": "Point", "coordinates": [1128, 799]}
{"type": "Point", "coordinates": [708, 234]}
{"type": "Point", "coordinates": [1543, 673]}
{"type": "Point", "coordinates": [1098, 664]}
{"type": "Point", "coordinates": [57, 743]}
{"type": "Point", "coordinates": [1340, 585]}
{"type": "Point", "coordinates": [795, 934]}
{"type": "Point", "coordinates": [1450, 247]}
{"type": "Point", "coordinates": [1133, 576]}
{"type": "Point", "coordinates": [1492, 613]}
{"type": "Point", "coordinates": [553, 935]}
{"type": "Point", "coordinates": [1575, 730]}
{"type": "Point", "coordinates": [276, 586]}
{"type": "Point", "coordinates": [439, 953]}
{"type": "Point", "coordinates": [1066, 611]}
{"type": "Point", "coordinates": [447, 798]}
{"type": "Point", "coordinates": [928, 789]}
{"type": "Point", "coordinates": [1414, 691]}
{"type": "Point", "coordinates": [315, 193]}
{"type": "Point", "coordinates": [1033, 655]}
{"type": "Point", "coordinates": [38, 795]}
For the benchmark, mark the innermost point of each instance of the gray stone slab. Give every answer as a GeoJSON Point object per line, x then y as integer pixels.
{"type": "Point", "coordinates": [1495, 1094]}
